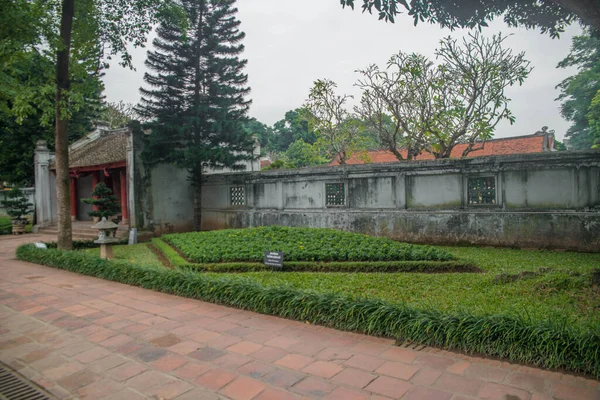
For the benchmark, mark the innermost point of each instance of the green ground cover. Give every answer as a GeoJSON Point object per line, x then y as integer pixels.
{"type": "Point", "coordinates": [298, 244]}
{"type": "Point", "coordinates": [536, 285]}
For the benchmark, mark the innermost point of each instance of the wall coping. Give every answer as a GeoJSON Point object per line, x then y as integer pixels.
{"type": "Point", "coordinates": [500, 162]}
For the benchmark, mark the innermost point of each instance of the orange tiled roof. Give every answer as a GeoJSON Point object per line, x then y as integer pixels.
{"type": "Point", "coordinates": [494, 147]}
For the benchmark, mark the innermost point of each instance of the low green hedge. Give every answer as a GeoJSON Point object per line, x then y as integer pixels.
{"type": "Point", "coordinates": [178, 261]}
{"type": "Point", "coordinates": [83, 244]}
{"type": "Point", "coordinates": [546, 345]}
{"type": "Point", "coordinates": [298, 244]}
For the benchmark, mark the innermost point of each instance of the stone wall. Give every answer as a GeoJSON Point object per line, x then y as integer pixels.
{"type": "Point", "coordinates": [547, 200]}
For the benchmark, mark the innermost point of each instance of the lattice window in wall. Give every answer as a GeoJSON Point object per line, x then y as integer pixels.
{"type": "Point", "coordinates": [482, 190]}
{"type": "Point", "coordinates": [237, 196]}
{"type": "Point", "coordinates": [335, 194]}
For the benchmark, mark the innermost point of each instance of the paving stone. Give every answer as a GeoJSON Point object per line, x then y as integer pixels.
{"type": "Point", "coordinates": [323, 369]}
{"type": "Point", "coordinates": [215, 379]}
{"type": "Point", "coordinates": [126, 371]}
{"type": "Point", "coordinates": [354, 377]}
{"type": "Point", "coordinates": [365, 362]}
{"type": "Point", "coordinates": [168, 390]}
{"type": "Point", "coordinates": [423, 393]}
{"type": "Point", "coordinates": [526, 381]}
{"type": "Point", "coordinates": [459, 384]}
{"type": "Point", "coordinates": [244, 347]}
{"type": "Point", "coordinates": [207, 354]}
{"type": "Point", "coordinates": [269, 354]}
{"type": "Point", "coordinates": [256, 369]}
{"type": "Point", "coordinates": [294, 361]}
{"type": "Point", "coordinates": [243, 388]}
{"type": "Point", "coordinates": [78, 380]}
{"type": "Point", "coordinates": [283, 378]}
{"type": "Point", "coordinates": [397, 370]}
{"type": "Point", "coordinates": [391, 387]}
{"type": "Point", "coordinates": [149, 354]}
{"type": "Point", "coordinates": [314, 387]}
{"type": "Point", "coordinates": [342, 393]}
{"type": "Point", "coordinates": [494, 391]}
{"type": "Point", "coordinates": [169, 362]}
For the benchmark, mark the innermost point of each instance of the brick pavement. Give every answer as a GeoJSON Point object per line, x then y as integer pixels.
{"type": "Point", "coordinates": [82, 337]}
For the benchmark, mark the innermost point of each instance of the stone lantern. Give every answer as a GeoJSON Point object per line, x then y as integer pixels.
{"type": "Point", "coordinates": [106, 237]}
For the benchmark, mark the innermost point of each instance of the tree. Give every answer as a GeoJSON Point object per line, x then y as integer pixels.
{"type": "Point", "coordinates": [594, 120]}
{"type": "Point", "coordinates": [338, 131]}
{"type": "Point", "coordinates": [88, 30]}
{"type": "Point", "coordinates": [118, 115]}
{"type": "Point", "coordinates": [17, 206]}
{"type": "Point", "coordinates": [26, 104]}
{"type": "Point", "coordinates": [398, 102]}
{"type": "Point", "coordinates": [264, 133]}
{"type": "Point", "coordinates": [104, 200]}
{"type": "Point", "coordinates": [196, 101]}
{"type": "Point", "coordinates": [418, 106]}
{"type": "Point", "coordinates": [301, 154]}
{"type": "Point", "coordinates": [551, 16]}
{"type": "Point", "coordinates": [578, 91]}
{"type": "Point", "coordinates": [290, 129]}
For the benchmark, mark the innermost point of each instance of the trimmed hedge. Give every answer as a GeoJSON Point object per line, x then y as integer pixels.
{"type": "Point", "coordinates": [298, 244]}
{"type": "Point", "coordinates": [83, 244]}
{"type": "Point", "coordinates": [546, 345]}
{"type": "Point", "coordinates": [178, 261]}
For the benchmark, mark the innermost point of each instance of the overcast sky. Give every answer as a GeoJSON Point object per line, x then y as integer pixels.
{"type": "Point", "coordinates": [291, 43]}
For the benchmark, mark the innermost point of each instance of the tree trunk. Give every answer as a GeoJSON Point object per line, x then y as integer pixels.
{"type": "Point", "coordinates": [198, 199]}
{"type": "Point", "coordinates": [63, 181]}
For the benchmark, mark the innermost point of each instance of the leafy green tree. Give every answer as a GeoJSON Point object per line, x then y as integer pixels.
{"type": "Point", "coordinates": [301, 154]}
{"type": "Point", "coordinates": [594, 120]}
{"type": "Point", "coordinates": [415, 105]}
{"type": "Point", "coordinates": [578, 91]}
{"type": "Point", "coordinates": [263, 132]}
{"type": "Point", "coordinates": [24, 121]}
{"type": "Point", "coordinates": [196, 97]}
{"type": "Point", "coordinates": [290, 129]}
{"type": "Point", "coordinates": [83, 31]}
{"type": "Point", "coordinates": [551, 16]}
{"type": "Point", "coordinates": [105, 201]}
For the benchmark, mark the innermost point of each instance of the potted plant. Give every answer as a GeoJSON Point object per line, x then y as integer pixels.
{"type": "Point", "coordinates": [105, 201]}
{"type": "Point", "coordinates": [17, 207]}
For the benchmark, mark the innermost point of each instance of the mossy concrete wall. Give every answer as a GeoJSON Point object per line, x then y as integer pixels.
{"type": "Point", "coordinates": [547, 200]}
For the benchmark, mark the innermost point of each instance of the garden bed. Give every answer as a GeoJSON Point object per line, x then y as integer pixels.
{"type": "Point", "coordinates": [566, 337]}
{"type": "Point", "coordinates": [298, 244]}
{"type": "Point", "coordinates": [174, 258]}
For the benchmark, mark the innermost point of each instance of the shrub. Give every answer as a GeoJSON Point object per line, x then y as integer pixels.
{"type": "Point", "coordinates": [82, 244]}
{"type": "Point", "coordinates": [17, 206]}
{"type": "Point", "coordinates": [546, 344]}
{"type": "Point", "coordinates": [298, 244]}
{"type": "Point", "coordinates": [176, 260]}
{"type": "Point", "coordinates": [105, 201]}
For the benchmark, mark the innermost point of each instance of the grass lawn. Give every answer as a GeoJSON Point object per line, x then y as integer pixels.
{"type": "Point", "coordinates": [563, 292]}
{"type": "Point", "coordinates": [558, 289]}
{"type": "Point", "coordinates": [136, 254]}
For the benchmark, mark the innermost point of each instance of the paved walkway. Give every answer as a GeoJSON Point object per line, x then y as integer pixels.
{"type": "Point", "coordinates": [82, 337]}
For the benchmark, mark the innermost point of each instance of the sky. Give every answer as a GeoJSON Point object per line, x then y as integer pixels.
{"type": "Point", "coordinates": [291, 43]}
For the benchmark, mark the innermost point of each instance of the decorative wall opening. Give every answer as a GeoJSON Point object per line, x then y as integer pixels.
{"type": "Point", "coordinates": [481, 190]}
{"type": "Point", "coordinates": [237, 196]}
{"type": "Point", "coordinates": [335, 194]}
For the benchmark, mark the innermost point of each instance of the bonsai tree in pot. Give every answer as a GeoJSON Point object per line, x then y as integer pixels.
{"type": "Point", "coordinates": [105, 201]}
{"type": "Point", "coordinates": [17, 207]}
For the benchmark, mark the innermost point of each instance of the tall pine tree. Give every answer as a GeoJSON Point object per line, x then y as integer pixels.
{"type": "Point", "coordinates": [196, 101]}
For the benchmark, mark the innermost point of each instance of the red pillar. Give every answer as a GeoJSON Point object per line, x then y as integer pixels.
{"type": "Point", "coordinates": [95, 181]}
{"type": "Point", "coordinates": [123, 181]}
{"type": "Point", "coordinates": [73, 198]}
